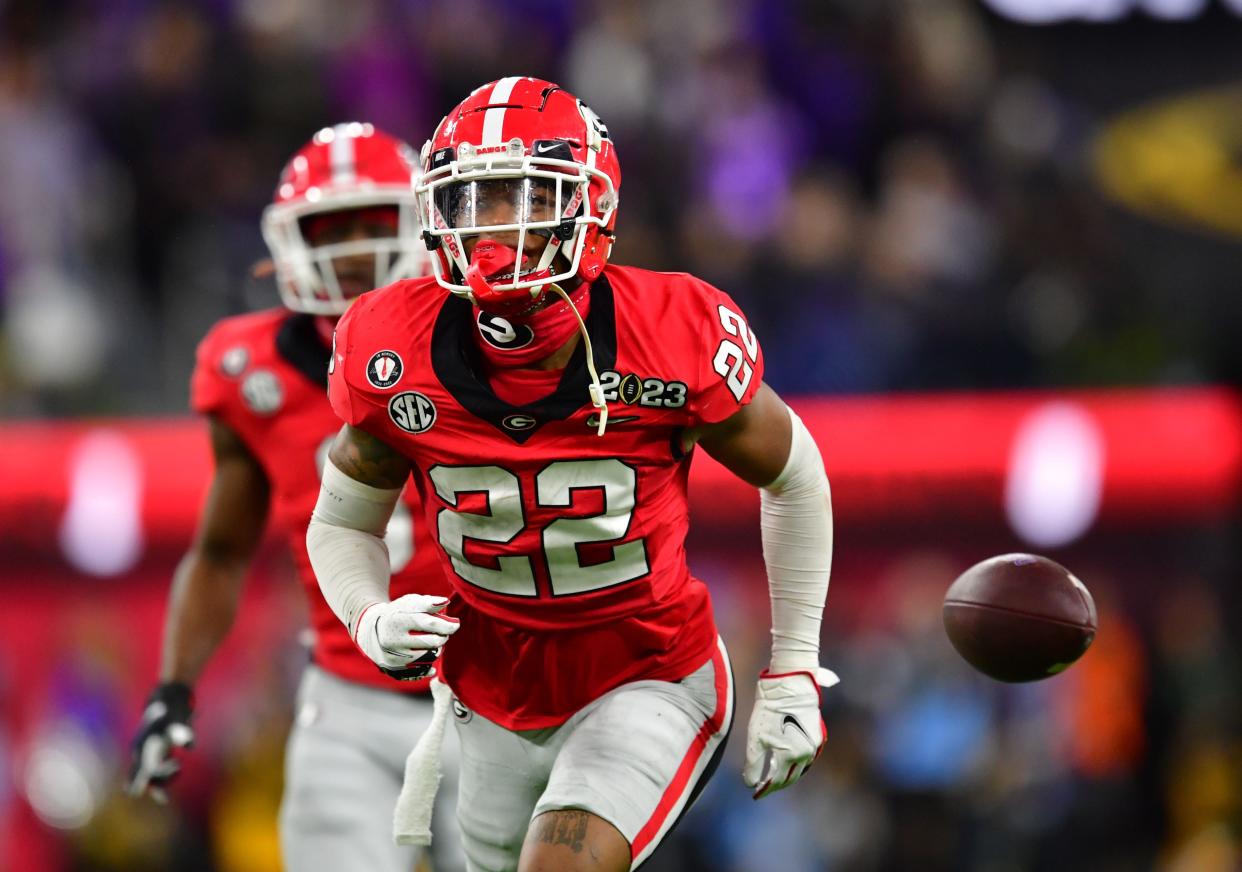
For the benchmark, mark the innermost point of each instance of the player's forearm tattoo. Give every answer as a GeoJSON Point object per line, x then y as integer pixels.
{"type": "Point", "coordinates": [564, 827]}
{"type": "Point", "coordinates": [366, 459]}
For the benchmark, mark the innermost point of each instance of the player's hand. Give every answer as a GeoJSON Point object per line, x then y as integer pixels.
{"type": "Point", "coordinates": [786, 731]}
{"type": "Point", "coordinates": [165, 727]}
{"type": "Point", "coordinates": [403, 637]}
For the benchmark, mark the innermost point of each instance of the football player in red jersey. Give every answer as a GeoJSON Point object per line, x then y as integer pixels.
{"type": "Point", "coordinates": [548, 409]}
{"type": "Point", "coordinates": [344, 220]}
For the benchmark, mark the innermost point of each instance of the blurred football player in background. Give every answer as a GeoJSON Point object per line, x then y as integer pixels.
{"type": "Point", "coordinates": [548, 408]}
{"type": "Point", "coordinates": [343, 221]}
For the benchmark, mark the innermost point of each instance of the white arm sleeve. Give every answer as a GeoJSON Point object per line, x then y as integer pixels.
{"type": "Point", "coordinates": [345, 546]}
{"type": "Point", "coordinates": [795, 521]}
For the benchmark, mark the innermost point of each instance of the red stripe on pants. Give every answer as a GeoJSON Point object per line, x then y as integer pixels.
{"type": "Point", "coordinates": [681, 781]}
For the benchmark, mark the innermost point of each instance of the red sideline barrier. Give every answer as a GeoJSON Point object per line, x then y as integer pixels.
{"type": "Point", "coordinates": [1167, 453]}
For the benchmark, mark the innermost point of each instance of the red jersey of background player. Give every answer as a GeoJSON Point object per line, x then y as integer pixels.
{"type": "Point", "coordinates": [567, 549]}
{"type": "Point", "coordinates": [263, 375]}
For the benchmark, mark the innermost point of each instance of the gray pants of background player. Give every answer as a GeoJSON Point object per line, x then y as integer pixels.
{"type": "Point", "coordinates": [636, 757]}
{"type": "Point", "coordinates": [343, 770]}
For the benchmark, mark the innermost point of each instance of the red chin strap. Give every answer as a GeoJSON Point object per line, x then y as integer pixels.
{"type": "Point", "coordinates": [490, 258]}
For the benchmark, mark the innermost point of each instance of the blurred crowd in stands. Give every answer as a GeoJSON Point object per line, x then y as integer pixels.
{"type": "Point", "coordinates": [899, 193]}
{"type": "Point", "coordinates": [1128, 761]}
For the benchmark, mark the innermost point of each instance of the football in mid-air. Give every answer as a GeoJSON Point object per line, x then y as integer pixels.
{"type": "Point", "coordinates": [1019, 617]}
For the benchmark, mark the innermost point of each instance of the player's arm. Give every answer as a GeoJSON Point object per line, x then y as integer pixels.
{"type": "Point", "coordinates": [362, 482]}
{"type": "Point", "coordinates": [202, 604]}
{"type": "Point", "coordinates": [767, 445]}
{"type": "Point", "coordinates": [208, 582]}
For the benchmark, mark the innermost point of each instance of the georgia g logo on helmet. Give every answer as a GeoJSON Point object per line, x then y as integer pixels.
{"type": "Point", "coordinates": [549, 155]}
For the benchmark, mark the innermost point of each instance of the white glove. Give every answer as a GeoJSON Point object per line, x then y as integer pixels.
{"type": "Point", "coordinates": [786, 731]}
{"type": "Point", "coordinates": [404, 636]}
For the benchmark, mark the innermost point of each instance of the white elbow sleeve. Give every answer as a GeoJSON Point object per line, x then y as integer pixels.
{"type": "Point", "coordinates": [796, 529]}
{"type": "Point", "coordinates": [345, 544]}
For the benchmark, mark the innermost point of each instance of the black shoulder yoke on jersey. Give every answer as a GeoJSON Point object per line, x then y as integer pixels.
{"type": "Point", "coordinates": [459, 366]}
{"type": "Point", "coordinates": [298, 342]}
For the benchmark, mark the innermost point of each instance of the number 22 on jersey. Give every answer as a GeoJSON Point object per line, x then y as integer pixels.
{"type": "Point", "coordinates": [730, 363]}
{"type": "Point", "coordinates": [505, 518]}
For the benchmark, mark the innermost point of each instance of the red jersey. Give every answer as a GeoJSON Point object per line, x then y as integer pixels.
{"type": "Point", "coordinates": [264, 376]}
{"type": "Point", "coordinates": [566, 549]}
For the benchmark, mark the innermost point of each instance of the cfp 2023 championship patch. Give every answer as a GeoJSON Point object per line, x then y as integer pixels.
{"type": "Point", "coordinates": [384, 369]}
{"type": "Point", "coordinates": [412, 412]}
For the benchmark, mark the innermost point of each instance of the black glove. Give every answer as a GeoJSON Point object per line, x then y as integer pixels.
{"type": "Point", "coordinates": [420, 668]}
{"type": "Point", "coordinates": [165, 726]}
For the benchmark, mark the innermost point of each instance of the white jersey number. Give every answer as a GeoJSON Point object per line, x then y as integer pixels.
{"type": "Point", "coordinates": [730, 362]}
{"type": "Point", "coordinates": [504, 518]}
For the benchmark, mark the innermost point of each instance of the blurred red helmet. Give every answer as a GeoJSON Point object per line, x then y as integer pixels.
{"type": "Point", "coordinates": [541, 153]}
{"type": "Point", "coordinates": [343, 168]}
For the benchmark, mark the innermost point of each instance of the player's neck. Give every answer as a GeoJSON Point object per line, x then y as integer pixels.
{"type": "Point", "coordinates": [560, 358]}
{"type": "Point", "coordinates": [541, 340]}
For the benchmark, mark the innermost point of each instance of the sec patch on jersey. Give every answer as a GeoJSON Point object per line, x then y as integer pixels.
{"type": "Point", "coordinates": [412, 412]}
{"type": "Point", "coordinates": [262, 392]}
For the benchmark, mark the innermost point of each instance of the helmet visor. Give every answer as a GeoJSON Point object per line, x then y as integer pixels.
{"type": "Point", "coordinates": [329, 252]}
{"type": "Point", "coordinates": [493, 204]}
{"type": "Point", "coordinates": [344, 225]}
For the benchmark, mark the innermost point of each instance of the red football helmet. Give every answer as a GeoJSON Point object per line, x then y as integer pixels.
{"type": "Point", "coordinates": [343, 168]}
{"type": "Point", "coordinates": [524, 155]}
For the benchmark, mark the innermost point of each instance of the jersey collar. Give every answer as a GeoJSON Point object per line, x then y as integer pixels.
{"type": "Point", "coordinates": [459, 367]}
{"type": "Point", "coordinates": [299, 343]}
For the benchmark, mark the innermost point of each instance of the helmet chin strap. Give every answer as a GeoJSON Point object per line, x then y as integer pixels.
{"type": "Point", "coordinates": [490, 257]}
{"type": "Point", "coordinates": [596, 390]}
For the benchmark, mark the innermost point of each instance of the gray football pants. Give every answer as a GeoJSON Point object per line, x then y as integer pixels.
{"type": "Point", "coordinates": [636, 757]}
{"type": "Point", "coordinates": [343, 770]}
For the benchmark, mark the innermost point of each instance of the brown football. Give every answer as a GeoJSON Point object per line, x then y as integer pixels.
{"type": "Point", "coordinates": [1019, 617]}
